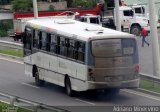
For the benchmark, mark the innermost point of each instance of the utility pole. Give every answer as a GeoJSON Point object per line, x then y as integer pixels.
{"type": "Point", "coordinates": [35, 9]}
{"type": "Point", "coordinates": [118, 21]}
{"type": "Point", "coordinates": [154, 36]}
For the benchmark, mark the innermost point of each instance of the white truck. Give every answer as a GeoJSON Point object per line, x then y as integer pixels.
{"type": "Point", "coordinates": [130, 22]}
{"type": "Point", "coordinates": [141, 10]}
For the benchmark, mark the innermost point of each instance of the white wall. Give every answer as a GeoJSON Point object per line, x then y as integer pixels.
{"type": "Point", "coordinates": [6, 16]}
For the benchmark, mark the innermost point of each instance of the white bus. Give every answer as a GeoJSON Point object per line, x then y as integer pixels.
{"type": "Point", "coordinates": [80, 56]}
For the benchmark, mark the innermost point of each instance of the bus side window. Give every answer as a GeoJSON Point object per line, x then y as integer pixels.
{"type": "Point", "coordinates": [67, 46]}
{"type": "Point", "coordinates": [62, 46]}
{"type": "Point", "coordinates": [71, 49]}
{"type": "Point", "coordinates": [76, 44]}
{"type": "Point", "coordinates": [58, 45]}
{"type": "Point", "coordinates": [81, 51]}
{"type": "Point", "coordinates": [53, 43]}
{"type": "Point", "coordinates": [28, 40]}
{"type": "Point", "coordinates": [48, 42]}
{"type": "Point", "coordinates": [36, 39]}
{"type": "Point", "coordinates": [44, 41]}
{"type": "Point", "coordinates": [40, 39]}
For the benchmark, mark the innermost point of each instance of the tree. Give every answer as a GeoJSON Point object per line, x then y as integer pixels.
{"type": "Point", "coordinates": [84, 3]}
{"type": "Point", "coordinates": [22, 5]}
{"type": "Point", "coordinates": [69, 3]}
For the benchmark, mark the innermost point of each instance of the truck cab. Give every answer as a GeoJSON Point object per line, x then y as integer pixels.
{"type": "Point", "coordinates": [132, 22]}
{"type": "Point", "coordinates": [90, 18]}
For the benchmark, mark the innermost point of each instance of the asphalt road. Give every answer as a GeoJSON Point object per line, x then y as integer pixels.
{"type": "Point", "coordinates": [15, 82]}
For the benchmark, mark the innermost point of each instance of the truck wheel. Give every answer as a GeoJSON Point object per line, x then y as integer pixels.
{"type": "Point", "coordinates": [38, 81]}
{"type": "Point", "coordinates": [68, 87]}
{"type": "Point", "coordinates": [135, 30]}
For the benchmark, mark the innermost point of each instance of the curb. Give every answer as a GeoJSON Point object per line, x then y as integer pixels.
{"type": "Point", "coordinates": [11, 57]}
{"type": "Point", "coordinates": [148, 92]}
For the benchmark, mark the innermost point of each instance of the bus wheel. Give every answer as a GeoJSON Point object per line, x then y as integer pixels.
{"type": "Point", "coordinates": [68, 88]}
{"type": "Point", "coordinates": [38, 81]}
{"type": "Point", "coordinates": [135, 30]}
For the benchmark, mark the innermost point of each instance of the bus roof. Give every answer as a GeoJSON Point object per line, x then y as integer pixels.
{"type": "Point", "coordinates": [75, 29]}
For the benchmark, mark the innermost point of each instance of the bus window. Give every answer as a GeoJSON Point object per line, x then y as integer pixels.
{"type": "Point", "coordinates": [44, 41]}
{"type": "Point", "coordinates": [58, 45]}
{"type": "Point", "coordinates": [48, 42]}
{"type": "Point", "coordinates": [71, 48]}
{"type": "Point", "coordinates": [81, 51]}
{"type": "Point", "coordinates": [40, 39]}
{"type": "Point", "coordinates": [36, 39]}
{"type": "Point", "coordinates": [62, 46]}
{"type": "Point", "coordinates": [76, 45]}
{"type": "Point", "coordinates": [28, 41]}
{"type": "Point", "coordinates": [53, 43]}
{"type": "Point", "coordinates": [113, 47]}
{"type": "Point", "coordinates": [67, 46]}
{"type": "Point", "coordinates": [107, 48]}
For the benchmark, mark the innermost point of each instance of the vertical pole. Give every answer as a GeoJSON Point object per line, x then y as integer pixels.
{"type": "Point", "coordinates": [154, 36]}
{"type": "Point", "coordinates": [118, 21]}
{"type": "Point", "coordinates": [35, 9]}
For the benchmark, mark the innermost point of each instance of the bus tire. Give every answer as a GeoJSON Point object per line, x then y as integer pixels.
{"type": "Point", "coordinates": [38, 81]}
{"type": "Point", "coordinates": [135, 29]}
{"type": "Point", "coordinates": [68, 88]}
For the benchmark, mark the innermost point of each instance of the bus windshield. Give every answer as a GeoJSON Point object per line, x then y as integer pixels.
{"type": "Point", "coordinates": [113, 47]}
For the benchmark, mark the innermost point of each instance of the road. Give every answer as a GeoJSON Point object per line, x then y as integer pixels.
{"type": "Point", "coordinates": [14, 81]}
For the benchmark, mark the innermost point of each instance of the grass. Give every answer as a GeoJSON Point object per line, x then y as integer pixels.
{"type": "Point", "coordinates": [7, 108]}
{"type": "Point", "coordinates": [10, 51]}
{"type": "Point", "coordinates": [151, 86]}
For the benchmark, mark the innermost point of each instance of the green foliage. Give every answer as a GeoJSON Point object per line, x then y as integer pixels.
{"type": "Point", "coordinates": [51, 7]}
{"type": "Point", "coordinates": [22, 5]}
{"type": "Point", "coordinates": [5, 25]}
{"type": "Point", "coordinates": [10, 51]}
{"type": "Point", "coordinates": [84, 3]}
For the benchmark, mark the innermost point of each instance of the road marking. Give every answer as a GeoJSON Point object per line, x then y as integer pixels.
{"type": "Point", "coordinates": [142, 94]}
{"type": "Point", "coordinates": [30, 85]}
{"type": "Point", "coordinates": [85, 101]}
{"type": "Point", "coordinates": [11, 60]}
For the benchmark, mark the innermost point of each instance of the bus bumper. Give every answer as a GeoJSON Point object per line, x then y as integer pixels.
{"type": "Point", "coordinates": [120, 85]}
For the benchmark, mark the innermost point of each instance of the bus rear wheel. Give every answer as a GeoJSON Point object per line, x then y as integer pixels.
{"type": "Point", "coordinates": [38, 81]}
{"type": "Point", "coordinates": [68, 88]}
{"type": "Point", "coordinates": [135, 30]}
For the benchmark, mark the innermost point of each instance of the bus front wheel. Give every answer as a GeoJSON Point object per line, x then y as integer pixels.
{"type": "Point", "coordinates": [68, 88]}
{"type": "Point", "coordinates": [38, 81]}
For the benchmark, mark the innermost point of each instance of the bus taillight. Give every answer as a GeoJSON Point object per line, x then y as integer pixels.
{"type": "Point", "coordinates": [90, 75]}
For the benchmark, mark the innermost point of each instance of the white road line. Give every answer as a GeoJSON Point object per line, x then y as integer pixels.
{"type": "Point", "coordinates": [30, 85]}
{"type": "Point", "coordinates": [142, 94]}
{"type": "Point", "coordinates": [85, 101]}
{"type": "Point", "coordinates": [11, 60]}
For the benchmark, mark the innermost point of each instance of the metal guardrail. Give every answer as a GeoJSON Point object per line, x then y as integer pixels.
{"type": "Point", "coordinates": [150, 78]}
{"type": "Point", "coordinates": [36, 107]}
{"type": "Point", "coordinates": [11, 45]}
